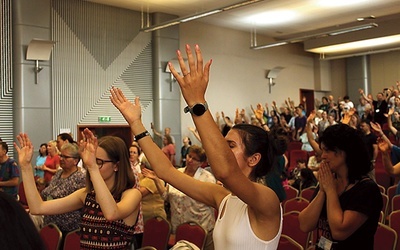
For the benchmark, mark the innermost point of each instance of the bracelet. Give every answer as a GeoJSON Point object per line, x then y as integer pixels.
{"type": "Point", "coordinates": [264, 124]}
{"type": "Point", "coordinates": [141, 135]}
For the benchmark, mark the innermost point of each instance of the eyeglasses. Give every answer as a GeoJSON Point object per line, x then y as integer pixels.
{"type": "Point", "coordinates": [192, 157]}
{"type": "Point", "coordinates": [68, 157]}
{"type": "Point", "coordinates": [100, 162]}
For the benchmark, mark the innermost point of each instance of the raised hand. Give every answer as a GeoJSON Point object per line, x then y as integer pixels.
{"type": "Point", "coordinates": [87, 148]}
{"type": "Point", "coordinates": [24, 150]}
{"type": "Point", "coordinates": [193, 81]}
{"type": "Point", "coordinates": [326, 178]}
{"type": "Point", "coordinates": [132, 112]}
{"type": "Point", "coordinates": [376, 126]}
{"type": "Point", "coordinates": [383, 145]}
{"type": "Point", "coordinates": [149, 174]}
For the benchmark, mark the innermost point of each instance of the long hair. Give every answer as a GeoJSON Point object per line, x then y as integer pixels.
{"type": "Point", "coordinates": [257, 140]}
{"type": "Point", "coordinates": [341, 137]}
{"type": "Point", "coordinates": [117, 152]}
{"type": "Point", "coordinates": [16, 227]}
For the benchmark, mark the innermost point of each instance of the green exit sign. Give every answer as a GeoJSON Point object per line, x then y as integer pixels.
{"type": "Point", "coordinates": [104, 118]}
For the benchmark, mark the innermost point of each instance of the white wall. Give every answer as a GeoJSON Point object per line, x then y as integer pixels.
{"type": "Point", "coordinates": [238, 73]}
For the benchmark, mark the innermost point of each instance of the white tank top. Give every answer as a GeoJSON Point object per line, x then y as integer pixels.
{"type": "Point", "coordinates": [233, 231]}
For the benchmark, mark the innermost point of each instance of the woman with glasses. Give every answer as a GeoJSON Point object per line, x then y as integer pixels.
{"type": "Point", "coordinates": [66, 180]}
{"type": "Point", "coordinates": [184, 208]}
{"type": "Point", "coordinates": [109, 205]}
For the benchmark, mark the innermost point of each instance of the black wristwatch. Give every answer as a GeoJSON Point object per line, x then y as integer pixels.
{"type": "Point", "coordinates": [198, 109]}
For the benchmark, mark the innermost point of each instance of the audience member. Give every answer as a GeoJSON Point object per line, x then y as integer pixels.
{"type": "Point", "coordinates": [370, 139]}
{"type": "Point", "coordinates": [52, 163]}
{"type": "Point", "coordinates": [306, 180]}
{"type": "Point", "coordinates": [64, 138]}
{"type": "Point", "coordinates": [167, 131]}
{"type": "Point", "coordinates": [184, 150]}
{"type": "Point", "coordinates": [152, 202]}
{"type": "Point", "coordinates": [278, 174]}
{"type": "Point", "coordinates": [40, 160]}
{"type": "Point", "coordinates": [380, 106]}
{"type": "Point", "coordinates": [67, 180]}
{"type": "Point", "coordinates": [9, 172]}
{"type": "Point", "coordinates": [180, 202]}
{"type": "Point", "coordinates": [169, 148]}
{"type": "Point", "coordinates": [16, 227]}
{"type": "Point", "coordinates": [348, 218]}
{"type": "Point", "coordinates": [253, 215]}
{"type": "Point", "coordinates": [134, 153]}
{"type": "Point", "coordinates": [109, 204]}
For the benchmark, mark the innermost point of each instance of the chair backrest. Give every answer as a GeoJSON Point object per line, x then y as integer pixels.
{"type": "Point", "coordinates": [294, 145]}
{"type": "Point", "coordinates": [156, 233]}
{"type": "Point", "coordinates": [51, 236]}
{"type": "Point", "coordinates": [291, 192]}
{"type": "Point", "coordinates": [294, 155]}
{"type": "Point", "coordinates": [291, 228]}
{"type": "Point", "coordinates": [394, 222]}
{"type": "Point", "coordinates": [385, 237]}
{"type": "Point", "coordinates": [382, 189]}
{"type": "Point", "coordinates": [390, 192]}
{"type": "Point", "coordinates": [395, 204]}
{"type": "Point", "coordinates": [192, 232]}
{"type": "Point", "coordinates": [287, 243]}
{"type": "Point", "coordinates": [308, 193]}
{"type": "Point", "coordinates": [22, 196]}
{"type": "Point", "coordinates": [295, 204]}
{"type": "Point", "coordinates": [72, 240]}
{"type": "Point", "coordinates": [385, 200]}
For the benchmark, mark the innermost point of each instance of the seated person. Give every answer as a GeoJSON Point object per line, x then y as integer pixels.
{"type": "Point", "coordinates": [306, 180]}
{"type": "Point", "coordinates": [9, 173]}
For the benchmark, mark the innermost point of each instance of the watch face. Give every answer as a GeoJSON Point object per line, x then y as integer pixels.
{"type": "Point", "coordinates": [199, 109]}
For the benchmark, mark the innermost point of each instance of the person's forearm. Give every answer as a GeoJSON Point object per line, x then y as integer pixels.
{"type": "Point", "coordinates": [103, 195]}
{"type": "Point", "coordinates": [387, 163]}
{"type": "Point", "coordinates": [32, 195]}
{"type": "Point", "coordinates": [157, 159]}
{"type": "Point", "coordinates": [218, 153]}
{"type": "Point", "coordinates": [308, 218]}
{"type": "Point", "coordinates": [335, 214]}
{"type": "Point", "coordinates": [13, 182]}
{"type": "Point", "coordinates": [161, 188]}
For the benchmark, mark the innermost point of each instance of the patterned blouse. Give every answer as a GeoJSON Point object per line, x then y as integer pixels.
{"type": "Point", "coordinates": [99, 233]}
{"type": "Point", "coordinates": [59, 188]}
{"type": "Point", "coordinates": [184, 208]}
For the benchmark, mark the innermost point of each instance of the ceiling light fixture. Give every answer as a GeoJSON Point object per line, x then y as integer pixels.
{"type": "Point", "coordinates": [198, 15]}
{"type": "Point", "coordinates": [326, 33]}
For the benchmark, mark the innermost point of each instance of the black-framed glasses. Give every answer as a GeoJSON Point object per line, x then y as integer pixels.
{"type": "Point", "coordinates": [68, 157]}
{"type": "Point", "coordinates": [100, 162]}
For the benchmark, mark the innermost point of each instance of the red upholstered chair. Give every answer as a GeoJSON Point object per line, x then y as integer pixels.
{"type": "Point", "coordinates": [294, 145]}
{"type": "Point", "coordinates": [308, 193]}
{"type": "Point", "coordinates": [295, 204]}
{"type": "Point", "coordinates": [382, 177]}
{"type": "Point", "coordinates": [192, 232]}
{"type": "Point", "coordinates": [385, 237]}
{"type": "Point", "coordinates": [382, 189]}
{"type": "Point", "coordinates": [72, 240]}
{"type": "Point", "coordinates": [51, 236]}
{"type": "Point", "coordinates": [156, 233]}
{"type": "Point", "coordinates": [395, 204]}
{"type": "Point", "coordinates": [291, 193]}
{"type": "Point", "coordinates": [22, 196]}
{"type": "Point", "coordinates": [394, 222]}
{"type": "Point", "coordinates": [287, 243]}
{"type": "Point", "coordinates": [291, 228]}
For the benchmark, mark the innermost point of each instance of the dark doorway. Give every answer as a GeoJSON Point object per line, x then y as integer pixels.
{"type": "Point", "coordinates": [309, 95]}
{"type": "Point", "coordinates": [122, 131]}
